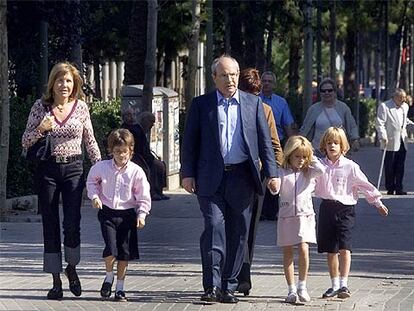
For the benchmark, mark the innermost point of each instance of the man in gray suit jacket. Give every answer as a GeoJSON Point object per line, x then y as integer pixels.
{"type": "Point", "coordinates": [391, 127]}
{"type": "Point", "coordinates": [226, 142]}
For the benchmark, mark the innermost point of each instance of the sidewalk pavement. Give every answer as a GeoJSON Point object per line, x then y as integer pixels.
{"type": "Point", "coordinates": [168, 275]}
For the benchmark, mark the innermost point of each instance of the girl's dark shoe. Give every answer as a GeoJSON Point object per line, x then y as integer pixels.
{"type": "Point", "coordinates": [74, 283]}
{"type": "Point", "coordinates": [106, 289]}
{"type": "Point", "coordinates": [344, 292]}
{"type": "Point", "coordinates": [330, 293]}
{"type": "Point", "coordinates": [120, 296]}
{"type": "Point", "coordinates": [55, 293]}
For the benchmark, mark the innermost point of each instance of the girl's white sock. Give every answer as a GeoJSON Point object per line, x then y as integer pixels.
{"type": "Point", "coordinates": [343, 282]}
{"type": "Point", "coordinates": [292, 288]}
{"type": "Point", "coordinates": [301, 285]}
{"type": "Point", "coordinates": [335, 283]}
{"type": "Point", "coordinates": [119, 285]}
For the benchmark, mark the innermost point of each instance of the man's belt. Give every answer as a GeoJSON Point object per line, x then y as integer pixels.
{"type": "Point", "coordinates": [232, 167]}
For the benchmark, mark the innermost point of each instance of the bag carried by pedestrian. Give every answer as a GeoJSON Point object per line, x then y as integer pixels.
{"type": "Point", "coordinates": [40, 150]}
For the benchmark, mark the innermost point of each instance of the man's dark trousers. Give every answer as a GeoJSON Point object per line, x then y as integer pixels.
{"type": "Point", "coordinates": [394, 168]}
{"type": "Point", "coordinates": [227, 217]}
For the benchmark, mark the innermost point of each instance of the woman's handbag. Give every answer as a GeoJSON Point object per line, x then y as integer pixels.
{"type": "Point", "coordinates": [39, 151]}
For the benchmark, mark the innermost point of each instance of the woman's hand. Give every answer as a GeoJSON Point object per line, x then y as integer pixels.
{"type": "Point", "coordinates": [47, 124]}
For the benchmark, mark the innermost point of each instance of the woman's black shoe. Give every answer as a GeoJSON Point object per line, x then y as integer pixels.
{"type": "Point", "coordinates": [74, 283]}
{"type": "Point", "coordinates": [55, 293]}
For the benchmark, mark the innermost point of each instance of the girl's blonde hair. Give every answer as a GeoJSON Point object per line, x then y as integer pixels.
{"type": "Point", "coordinates": [334, 133]}
{"type": "Point", "coordinates": [61, 69]}
{"type": "Point", "coordinates": [297, 143]}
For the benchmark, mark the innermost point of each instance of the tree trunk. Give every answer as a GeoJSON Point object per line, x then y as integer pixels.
{"type": "Point", "coordinates": [135, 55]}
{"type": "Point", "coordinates": [295, 47]}
{"type": "Point", "coordinates": [237, 48]}
{"type": "Point", "coordinates": [349, 57]}
{"type": "Point", "coordinates": [308, 45]}
{"type": "Point", "coordinates": [227, 28]}
{"type": "Point", "coordinates": [151, 57]}
{"type": "Point", "coordinates": [97, 78]}
{"type": "Point", "coordinates": [332, 39]}
{"type": "Point", "coordinates": [209, 46]}
{"type": "Point", "coordinates": [386, 49]}
{"type": "Point", "coordinates": [76, 49]}
{"type": "Point", "coordinates": [269, 43]}
{"type": "Point", "coordinates": [192, 63]}
{"type": "Point", "coordinates": [318, 41]}
{"type": "Point", "coordinates": [44, 57]}
{"type": "Point", "coordinates": [4, 107]}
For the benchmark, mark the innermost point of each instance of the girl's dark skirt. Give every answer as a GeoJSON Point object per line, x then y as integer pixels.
{"type": "Point", "coordinates": [335, 224]}
{"type": "Point", "coordinates": [119, 231]}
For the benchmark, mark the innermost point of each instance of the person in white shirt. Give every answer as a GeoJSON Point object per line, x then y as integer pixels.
{"type": "Point", "coordinates": [391, 125]}
{"type": "Point", "coordinates": [296, 224]}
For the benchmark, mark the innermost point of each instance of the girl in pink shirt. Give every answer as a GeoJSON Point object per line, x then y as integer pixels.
{"type": "Point", "coordinates": [296, 220]}
{"type": "Point", "coordinates": [338, 188]}
{"type": "Point", "coordinates": [121, 192]}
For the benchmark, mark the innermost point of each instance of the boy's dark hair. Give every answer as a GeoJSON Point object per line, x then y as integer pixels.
{"type": "Point", "coordinates": [120, 137]}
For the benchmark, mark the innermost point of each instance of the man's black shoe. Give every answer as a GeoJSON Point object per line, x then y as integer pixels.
{"type": "Point", "coordinates": [55, 293]}
{"type": "Point", "coordinates": [106, 289]}
{"type": "Point", "coordinates": [390, 192]}
{"type": "Point", "coordinates": [212, 294]}
{"type": "Point", "coordinates": [74, 283]}
{"type": "Point", "coordinates": [228, 297]}
{"type": "Point", "coordinates": [400, 192]}
{"type": "Point", "coordinates": [330, 293]}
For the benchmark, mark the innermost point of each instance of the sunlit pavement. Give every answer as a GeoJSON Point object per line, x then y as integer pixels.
{"type": "Point", "coordinates": [168, 275]}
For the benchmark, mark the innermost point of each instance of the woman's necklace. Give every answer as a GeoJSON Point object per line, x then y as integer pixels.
{"type": "Point", "coordinates": [60, 107]}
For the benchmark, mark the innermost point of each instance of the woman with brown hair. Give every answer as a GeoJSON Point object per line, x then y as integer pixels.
{"type": "Point", "coordinates": [249, 81]}
{"type": "Point", "coordinates": [63, 116]}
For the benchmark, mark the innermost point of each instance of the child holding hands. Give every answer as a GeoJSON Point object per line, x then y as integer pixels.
{"type": "Point", "coordinates": [296, 220]}
{"type": "Point", "coordinates": [338, 188]}
{"type": "Point", "coordinates": [120, 190]}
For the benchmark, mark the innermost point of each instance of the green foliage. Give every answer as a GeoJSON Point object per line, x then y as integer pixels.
{"type": "Point", "coordinates": [105, 117]}
{"type": "Point", "coordinates": [367, 114]}
{"type": "Point", "coordinates": [20, 174]}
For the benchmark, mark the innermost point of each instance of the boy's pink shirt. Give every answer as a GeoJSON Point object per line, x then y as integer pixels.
{"type": "Point", "coordinates": [343, 180]}
{"type": "Point", "coordinates": [120, 189]}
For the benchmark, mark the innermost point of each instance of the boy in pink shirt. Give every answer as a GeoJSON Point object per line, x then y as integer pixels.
{"type": "Point", "coordinates": [338, 188]}
{"type": "Point", "coordinates": [120, 190]}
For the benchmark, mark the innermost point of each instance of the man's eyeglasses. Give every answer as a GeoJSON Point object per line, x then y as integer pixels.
{"type": "Point", "coordinates": [327, 91]}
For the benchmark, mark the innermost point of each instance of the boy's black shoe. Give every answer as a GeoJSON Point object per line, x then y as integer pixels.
{"type": "Point", "coordinates": [74, 283]}
{"type": "Point", "coordinates": [55, 293]}
{"type": "Point", "coordinates": [390, 192]}
{"type": "Point", "coordinates": [120, 296]}
{"type": "Point", "coordinates": [344, 292]}
{"type": "Point", "coordinates": [330, 293]}
{"type": "Point", "coordinates": [106, 289]}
